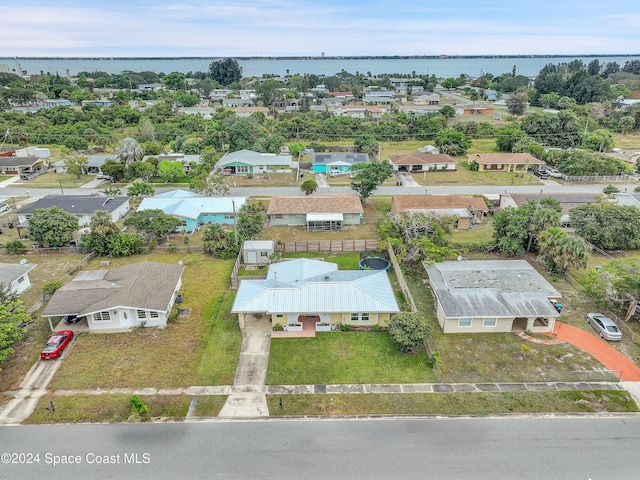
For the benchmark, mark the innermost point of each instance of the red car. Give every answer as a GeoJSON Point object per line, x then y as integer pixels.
{"type": "Point", "coordinates": [56, 344]}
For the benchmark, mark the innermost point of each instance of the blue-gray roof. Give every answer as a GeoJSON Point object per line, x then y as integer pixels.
{"type": "Point", "coordinates": [329, 158]}
{"type": "Point", "coordinates": [76, 204]}
{"type": "Point", "coordinates": [305, 285]}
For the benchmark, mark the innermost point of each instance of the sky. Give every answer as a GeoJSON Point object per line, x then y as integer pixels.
{"type": "Point", "coordinates": [221, 28]}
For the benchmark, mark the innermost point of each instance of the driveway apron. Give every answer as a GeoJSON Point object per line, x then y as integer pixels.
{"type": "Point", "coordinates": [250, 373]}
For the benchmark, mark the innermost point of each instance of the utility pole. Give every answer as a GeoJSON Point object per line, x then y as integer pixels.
{"type": "Point", "coordinates": [235, 224]}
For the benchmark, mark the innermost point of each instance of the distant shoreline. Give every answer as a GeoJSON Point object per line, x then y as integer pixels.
{"type": "Point", "coordinates": [336, 57]}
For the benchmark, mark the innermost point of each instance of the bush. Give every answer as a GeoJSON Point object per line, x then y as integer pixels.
{"type": "Point", "coordinates": [15, 247]}
{"type": "Point", "coordinates": [408, 330]}
{"type": "Point", "coordinates": [345, 327]}
{"type": "Point", "coordinates": [51, 286]}
{"type": "Point", "coordinates": [138, 407]}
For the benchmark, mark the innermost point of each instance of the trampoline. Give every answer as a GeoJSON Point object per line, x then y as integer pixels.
{"type": "Point", "coordinates": [374, 263]}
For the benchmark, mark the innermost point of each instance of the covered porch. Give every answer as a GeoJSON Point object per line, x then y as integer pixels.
{"type": "Point", "coordinates": [318, 222]}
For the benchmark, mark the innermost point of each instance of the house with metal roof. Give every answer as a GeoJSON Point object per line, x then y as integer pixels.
{"type": "Point", "coordinates": [14, 277]}
{"type": "Point", "coordinates": [488, 296]}
{"type": "Point", "coordinates": [336, 162]}
{"type": "Point", "coordinates": [468, 211]}
{"type": "Point", "coordinates": [423, 162]}
{"type": "Point", "coordinates": [195, 210]}
{"type": "Point", "coordinates": [94, 164]}
{"type": "Point", "coordinates": [83, 206]}
{"type": "Point", "coordinates": [245, 162]}
{"type": "Point", "coordinates": [136, 295]}
{"type": "Point", "coordinates": [316, 212]}
{"type": "Point", "coordinates": [311, 290]}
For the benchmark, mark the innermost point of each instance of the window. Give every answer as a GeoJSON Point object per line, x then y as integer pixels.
{"type": "Point", "coordinates": [229, 216]}
{"type": "Point", "coordinates": [142, 315]}
{"type": "Point", "coordinates": [154, 314]}
{"type": "Point", "coordinates": [355, 317]}
{"type": "Point", "coordinates": [278, 215]}
{"type": "Point", "coordinates": [359, 317]}
{"type": "Point", "coordinates": [464, 322]}
{"type": "Point", "coordinates": [279, 315]}
{"type": "Point", "coordinates": [21, 279]}
{"type": "Point", "coordinates": [264, 254]}
{"type": "Point", "coordinates": [489, 322]}
{"type": "Point", "coordinates": [243, 169]}
{"type": "Point", "coordinates": [102, 316]}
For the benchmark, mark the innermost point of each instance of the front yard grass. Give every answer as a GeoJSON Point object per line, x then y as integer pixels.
{"type": "Point", "coordinates": [111, 408]}
{"type": "Point", "coordinates": [453, 403]}
{"type": "Point", "coordinates": [57, 180]}
{"type": "Point", "coordinates": [201, 348]}
{"type": "Point", "coordinates": [344, 357]}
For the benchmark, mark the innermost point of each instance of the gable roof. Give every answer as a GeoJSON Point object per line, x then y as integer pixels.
{"type": "Point", "coordinates": [10, 272]}
{"type": "Point", "coordinates": [505, 158]}
{"type": "Point", "coordinates": [19, 161]}
{"type": "Point", "coordinates": [421, 159]}
{"type": "Point", "coordinates": [299, 288]}
{"type": "Point", "coordinates": [347, 203]}
{"type": "Point", "coordinates": [76, 204]}
{"type": "Point", "coordinates": [143, 286]}
{"type": "Point", "coordinates": [404, 203]}
{"type": "Point", "coordinates": [193, 207]}
{"type": "Point", "coordinates": [345, 158]}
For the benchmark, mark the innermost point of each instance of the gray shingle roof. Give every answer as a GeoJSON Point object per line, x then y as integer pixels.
{"type": "Point", "coordinates": [11, 271]}
{"type": "Point", "coordinates": [144, 286]}
{"type": "Point", "coordinates": [78, 205]}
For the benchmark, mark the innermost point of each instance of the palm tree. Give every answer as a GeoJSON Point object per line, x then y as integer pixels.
{"type": "Point", "coordinates": [563, 251]}
{"type": "Point", "coordinates": [129, 151]}
{"type": "Point", "coordinates": [542, 219]}
{"type": "Point", "coordinates": [101, 224]}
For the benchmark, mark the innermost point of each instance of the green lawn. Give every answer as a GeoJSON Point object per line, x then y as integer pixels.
{"type": "Point", "coordinates": [344, 357]}
{"type": "Point", "coordinates": [111, 408]}
{"type": "Point", "coordinates": [58, 180]}
{"type": "Point", "coordinates": [345, 261]}
{"type": "Point", "coordinates": [452, 403]}
{"type": "Point", "coordinates": [202, 348]}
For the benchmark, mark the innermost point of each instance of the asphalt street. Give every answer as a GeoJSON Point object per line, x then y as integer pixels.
{"type": "Point", "coordinates": [461, 448]}
{"type": "Point", "coordinates": [547, 187]}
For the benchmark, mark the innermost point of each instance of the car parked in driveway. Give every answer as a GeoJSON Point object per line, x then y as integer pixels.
{"type": "Point", "coordinates": [553, 172]}
{"type": "Point", "coordinates": [56, 344]}
{"type": "Point", "coordinates": [604, 326]}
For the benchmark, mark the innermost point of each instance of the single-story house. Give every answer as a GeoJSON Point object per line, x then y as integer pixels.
{"type": "Point", "coordinates": [568, 201]}
{"type": "Point", "coordinates": [83, 206]}
{"type": "Point", "coordinates": [195, 210]}
{"type": "Point", "coordinates": [474, 110]}
{"type": "Point", "coordinates": [94, 164]}
{"type": "Point", "coordinates": [336, 162]}
{"type": "Point", "coordinates": [504, 162]}
{"type": "Point", "coordinates": [244, 112]}
{"type": "Point", "coordinates": [366, 112]}
{"type": "Point", "coordinates": [316, 212]}
{"type": "Point", "coordinates": [187, 161]}
{"type": "Point", "coordinates": [487, 296]}
{"type": "Point", "coordinates": [303, 289]}
{"type": "Point", "coordinates": [204, 112]}
{"type": "Point", "coordinates": [423, 162]}
{"type": "Point", "coordinates": [244, 162]}
{"type": "Point", "coordinates": [256, 252]}
{"type": "Point", "coordinates": [237, 102]}
{"type": "Point", "coordinates": [632, 199]}
{"type": "Point", "coordinates": [140, 294]}
{"type": "Point", "coordinates": [103, 102]}
{"type": "Point", "coordinates": [467, 210]}
{"type": "Point", "coordinates": [14, 277]}
{"type": "Point", "coordinates": [427, 99]}
{"type": "Point", "coordinates": [17, 165]}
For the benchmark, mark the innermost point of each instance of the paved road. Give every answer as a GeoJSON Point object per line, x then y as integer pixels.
{"type": "Point", "coordinates": [478, 449]}
{"type": "Point", "coordinates": [547, 187]}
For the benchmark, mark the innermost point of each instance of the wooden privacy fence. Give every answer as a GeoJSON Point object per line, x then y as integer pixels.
{"type": "Point", "coordinates": [330, 246]}
{"type": "Point", "coordinates": [401, 281]}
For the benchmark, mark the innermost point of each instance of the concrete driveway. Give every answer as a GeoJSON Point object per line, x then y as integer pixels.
{"type": "Point", "coordinates": [251, 373]}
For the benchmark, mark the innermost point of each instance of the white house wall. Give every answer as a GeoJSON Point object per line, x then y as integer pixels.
{"type": "Point", "coordinates": [18, 286]}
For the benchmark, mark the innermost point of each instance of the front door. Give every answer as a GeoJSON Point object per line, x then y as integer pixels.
{"type": "Point", "coordinates": [125, 319]}
{"type": "Point", "coordinates": [252, 257]}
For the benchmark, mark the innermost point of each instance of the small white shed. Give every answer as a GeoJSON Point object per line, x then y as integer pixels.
{"type": "Point", "coordinates": [256, 252]}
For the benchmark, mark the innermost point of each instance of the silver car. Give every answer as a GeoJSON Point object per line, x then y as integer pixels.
{"type": "Point", "coordinates": [605, 327]}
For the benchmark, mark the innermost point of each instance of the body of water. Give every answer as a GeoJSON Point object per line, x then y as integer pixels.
{"type": "Point", "coordinates": [257, 67]}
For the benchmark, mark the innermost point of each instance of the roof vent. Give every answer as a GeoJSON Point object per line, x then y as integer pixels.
{"type": "Point", "coordinates": [326, 277]}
